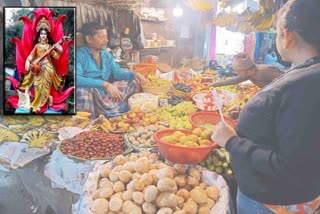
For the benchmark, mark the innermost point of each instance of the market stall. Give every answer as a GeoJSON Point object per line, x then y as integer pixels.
{"type": "Point", "coordinates": [157, 156]}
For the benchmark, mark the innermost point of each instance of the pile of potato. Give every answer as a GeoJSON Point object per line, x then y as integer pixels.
{"type": "Point", "coordinates": [141, 183]}
{"type": "Point", "coordinates": [143, 136]}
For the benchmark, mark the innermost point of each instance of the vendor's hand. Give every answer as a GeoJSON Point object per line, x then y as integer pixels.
{"type": "Point", "coordinates": [140, 79]}
{"type": "Point", "coordinates": [234, 111]}
{"type": "Point", "coordinates": [222, 133]}
{"type": "Point", "coordinates": [114, 92]}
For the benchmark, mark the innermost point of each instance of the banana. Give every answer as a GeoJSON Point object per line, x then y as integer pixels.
{"type": "Point", "coordinates": [38, 138]}
{"type": "Point", "coordinates": [8, 136]}
{"type": "Point", "coordinates": [81, 117]}
{"type": "Point", "coordinates": [82, 124]}
{"type": "Point", "coordinates": [108, 125]}
{"type": "Point", "coordinates": [83, 114]}
{"type": "Point", "coordinates": [104, 128]}
{"type": "Point", "coordinates": [95, 127]}
{"type": "Point", "coordinates": [36, 121]}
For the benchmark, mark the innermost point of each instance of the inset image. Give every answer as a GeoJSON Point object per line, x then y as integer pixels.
{"type": "Point", "coordinates": [39, 61]}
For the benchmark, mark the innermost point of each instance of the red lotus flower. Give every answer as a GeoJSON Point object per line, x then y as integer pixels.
{"type": "Point", "coordinates": [24, 47]}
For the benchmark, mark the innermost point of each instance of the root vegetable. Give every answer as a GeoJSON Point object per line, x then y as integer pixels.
{"type": "Point", "coordinates": [193, 172]}
{"type": "Point", "coordinates": [114, 176]}
{"type": "Point", "coordinates": [184, 194]}
{"type": "Point", "coordinates": [130, 207]}
{"type": "Point", "coordinates": [150, 193]}
{"type": "Point", "coordinates": [127, 195]}
{"type": "Point", "coordinates": [167, 185]}
{"type": "Point", "coordinates": [165, 210]}
{"type": "Point", "coordinates": [138, 185]}
{"type": "Point", "coordinates": [138, 197]}
{"type": "Point", "coordinates": [142, 165]}
{"type": "Point", "coordinates": [203, 186]}
{"type": "Point", "coordinates": [190, 207]}
{"type": "Point", "coordinates": [129, 166]}
{"type": "Point", "coordinates": [147, 179]}
{"type": "Point", "coordinates": [213, 192]}
{"type": "Point", "coordinates": [149, 208]}
{"type": "Point", "coordinates": [199, 195]}
{"type": "Point", "coordinates": [118, 187]}
{"type": "Point", "coordinates": [100, 206]}
{"type": "Point", "coordinates": [181, 168]}
{"type": "Point", "coordinates": [96, 194]}
{"type": "Point", "coordinates": [115, 204]}
{"type": "Point", "coordinates": [167, 172]}
{"type": "Point", "coordinates": [105, 171]}
{"type": "Point", "coordinates": [167, 199]}
{"type": "Point", "coordinates": [125, 176]}
{"type": "Point", "coordinates": [181, 180]}
{"type": "Point", "coordinates": [192, 181]}
{"type": "Point", "coordinates": [106, 192]}
{"type": "Point", "coordinates": [119, 160]}
{"type": "Point", "coordinates": [105, 182]}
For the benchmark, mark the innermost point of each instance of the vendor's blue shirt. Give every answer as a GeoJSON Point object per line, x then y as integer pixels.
{"type": "Point", "coordinates": [89, 73]}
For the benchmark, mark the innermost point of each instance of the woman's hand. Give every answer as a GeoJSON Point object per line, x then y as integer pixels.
{"type": "Point", "coordinates": [234, 112]}
{"type": "Point", "coordinates": [58, 47]}
{"type": "Point", "coordinates": [222, 133]}
{"type": "Point", "coordinates": [114, 92]}
{"type": "Point", "coordinates": [27, 65]}
{"type": "Point", "coordinates": [140, 79]}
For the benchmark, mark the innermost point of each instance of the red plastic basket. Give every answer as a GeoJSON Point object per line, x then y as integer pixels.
{"type": "Point", "coordinates": [198, 119]}
{"type": "Point", "coordinates": [181, 154]}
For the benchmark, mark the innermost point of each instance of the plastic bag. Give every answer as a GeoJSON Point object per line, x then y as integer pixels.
{"type": "Point", "coordinates": [145, 101]}
{"type": "Point", "coordinates": [223, 205]}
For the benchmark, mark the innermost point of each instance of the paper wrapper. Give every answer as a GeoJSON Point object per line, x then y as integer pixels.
{"type": "Point", "coordinates": [15, 154]}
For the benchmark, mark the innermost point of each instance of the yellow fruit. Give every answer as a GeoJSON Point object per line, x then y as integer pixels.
{"type": "Point", "coordinates": [169, 139]}
{"type": "Point", "coordinates": [197, 131]}
{"type": "Point", "coordinates": [183, 139]}
{"type": "Point", "coordinates": [206, 134]}
{"type": "Point", "coordinates": [205, 142]}
{"type": "Point", "coordinates": [193, 138]}
{"type": "Point", "coordinates": [81, 118]}
{"type": "Point", "coordinates": [83, 114]}
{"type": "Point", "coordinates": [178, 134]}
{"type": "Point", "coordinates": [189, 143]}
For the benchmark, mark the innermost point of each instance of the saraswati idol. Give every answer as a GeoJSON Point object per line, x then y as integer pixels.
{"type": "Point", "coordinates": [42, 65]}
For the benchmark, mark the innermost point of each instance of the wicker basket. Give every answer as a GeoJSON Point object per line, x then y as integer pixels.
{"type": "Point", "coordinates": [178, 93]}
{"type": "Point", "coordinates": [156, 90]}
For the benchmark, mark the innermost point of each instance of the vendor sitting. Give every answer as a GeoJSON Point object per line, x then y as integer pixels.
{"type": "Point", "coordinates": [102, 86]}
{"type": "Point", "coordinates": [259, 74]}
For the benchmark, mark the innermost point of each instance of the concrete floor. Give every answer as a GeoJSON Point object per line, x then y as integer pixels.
{"type": "Point", "coordinates": [28, 191]}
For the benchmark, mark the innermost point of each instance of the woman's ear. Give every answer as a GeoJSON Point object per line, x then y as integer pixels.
{"type": "Point", "coordinates": [289, 38]}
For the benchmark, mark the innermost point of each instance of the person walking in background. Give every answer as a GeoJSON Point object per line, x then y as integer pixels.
{"type": "Point", "coordinates": [271, 59]}
{"type": "Point", "coordinates": [275, 148]}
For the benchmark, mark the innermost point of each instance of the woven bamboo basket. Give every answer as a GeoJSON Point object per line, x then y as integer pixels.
{"type": "Point", "coordinates": [178, 93]}
{"type": "Point", "coordinates": [156, 90]}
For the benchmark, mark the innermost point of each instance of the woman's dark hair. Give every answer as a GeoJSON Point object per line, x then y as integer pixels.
{"type": "Point", "coordinates": [50, 40]}
{"type": "Point", "coordinates": [89, 29]}
{"type": "Point", "coordinates": [302, 16]}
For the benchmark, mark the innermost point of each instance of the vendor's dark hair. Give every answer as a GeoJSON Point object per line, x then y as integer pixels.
{"type": "Point", "coordinates": [302, 16]}
{"type": "Point", "coordinates": [89, 29]}
{"type": "Point", "coordinates": [50, 40]}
